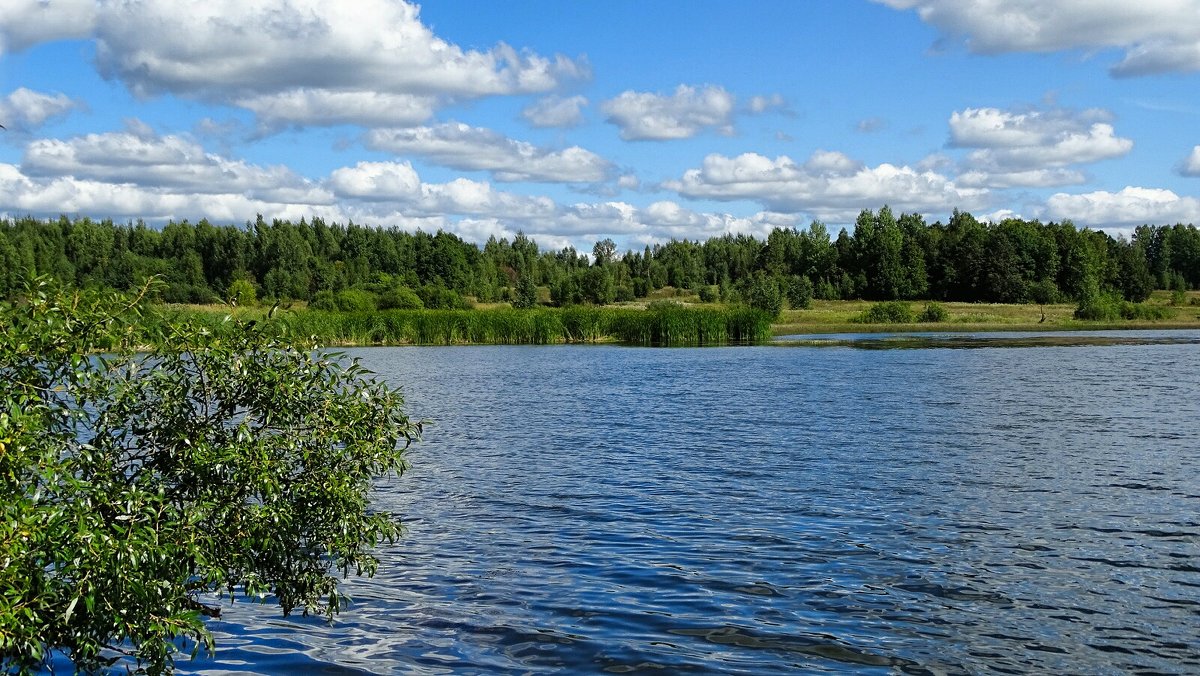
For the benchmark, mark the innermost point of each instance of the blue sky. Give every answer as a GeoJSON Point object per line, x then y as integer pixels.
{"type": "Point", "coordinates": [574, 121]}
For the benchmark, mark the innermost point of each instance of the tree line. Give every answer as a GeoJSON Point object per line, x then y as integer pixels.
{"type": "Point", "coordinates": [358, 267]}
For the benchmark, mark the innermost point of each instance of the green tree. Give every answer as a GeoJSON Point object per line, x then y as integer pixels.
{"type": "Point", "coordinates": [137, 484]}
{"type": "Point", "coordinates": [763, 293]}
{"type": "Point", "coordinates": [526, 293]}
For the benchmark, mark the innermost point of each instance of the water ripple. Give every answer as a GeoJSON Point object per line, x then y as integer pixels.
{"type": "Point", "coordinates": [771, 510]}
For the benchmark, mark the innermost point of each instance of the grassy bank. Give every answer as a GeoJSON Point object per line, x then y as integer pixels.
{"type": "Point", "coordinates": [841, 317]}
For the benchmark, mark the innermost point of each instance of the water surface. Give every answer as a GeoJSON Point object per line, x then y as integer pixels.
{"type": "Point", "coordinates": [767, 510]}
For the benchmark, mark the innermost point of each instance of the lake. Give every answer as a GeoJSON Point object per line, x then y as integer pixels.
{"type": "Point", "coordinates": [775, 509]}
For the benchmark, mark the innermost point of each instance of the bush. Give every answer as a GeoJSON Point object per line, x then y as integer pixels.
{"type": "Point", "coordinates": [763, 294]}
{"type": "Point", "coordinates": [933, 313]}
{"type": "Point", "coordinates": [799, 292]}
{"type": "Point", "coordinates": [1145, 311]}
{"type": "Point", "coordinates": [191, 462]}
{"type": "Point", "coordinates": [1179, 297]}
{"type": "Point", "coordinates": [323, 300]}
{"type": "Point", "coordinates": [400, 298]}
{"type": "Point", "coordinates": [241, 292]}
{"type": "Point", "coordinates": [1098, 307]}
{"type": "Point", "coordinates": [709, 294]}
{"type": "Point", "coordinates": [440, 298]}
{"type": "Point", "coordinates": [188, 293]}
{"type": "Point", "coordinates": [889, 312]}
{"type": "Point", "coordinates": [355, 300]}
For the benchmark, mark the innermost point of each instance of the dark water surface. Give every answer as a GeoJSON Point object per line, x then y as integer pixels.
{"type": "Point", "coordinates": [769, 509]}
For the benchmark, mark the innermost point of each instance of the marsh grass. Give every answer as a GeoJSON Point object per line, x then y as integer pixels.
{"type": "Point", "coordinates": [659, 326]}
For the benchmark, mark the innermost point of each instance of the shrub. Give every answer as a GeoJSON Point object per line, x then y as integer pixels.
{"type": "Point", "coordinates": [933, 313]}
{"type": "Point", "coordinates": [799, 292]}
{"type": "Point", "coordinates": [889, 312]}
{"type": "Point", "coordinates": [400, 298]}
{"type": "Point", "coordinates": [763, 294]}
{"type": "Point", "coordinates": [709, 294]}
{"type": "Point", "coordinates": [355, 300]}
{"type": "Point", "coordinates": [1098, 307]}
{"type": "Point", "coordinates": [187, 464]}
{"type": "Point", "coordinates": [323, 300]}
{"type": "Point", "coordinates": [241, 292]}
{"type": "Point", "coordinates": [440, 298]}
{"type": "Point", "coordinates": [1145, 311]}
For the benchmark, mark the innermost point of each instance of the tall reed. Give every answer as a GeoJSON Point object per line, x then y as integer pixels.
{"type": "Point", "coordinates": [672, 325]}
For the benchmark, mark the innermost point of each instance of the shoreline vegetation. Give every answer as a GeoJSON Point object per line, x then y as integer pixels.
{"type": "Point", "coordinates": [690, 322]}
{"type": "Point", "coordinates": [369, 285]}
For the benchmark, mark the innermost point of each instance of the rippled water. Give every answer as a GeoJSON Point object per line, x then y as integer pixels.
{"type": "Point", "coordinates": [766, 509]}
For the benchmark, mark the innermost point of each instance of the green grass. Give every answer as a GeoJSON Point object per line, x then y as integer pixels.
{"type": "Point", "coordinates": [840, 317]}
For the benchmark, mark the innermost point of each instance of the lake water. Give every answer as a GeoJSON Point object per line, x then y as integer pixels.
{"type": "Point", "coordinates": [776, 509]}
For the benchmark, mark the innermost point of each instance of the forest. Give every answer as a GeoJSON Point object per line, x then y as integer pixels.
{"type": "Point", "coordinates": [355, 268]}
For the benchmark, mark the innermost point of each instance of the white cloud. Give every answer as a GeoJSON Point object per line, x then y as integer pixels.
{"type": "Point", "coordinates": [21, 194]}
{"type": "Point", "coordinates": [321, 107]}
{"type": "Point", "coordinates": [1131, 206]}
{"type": "Point", "coordinates": [1032, 148]}
{"type": "Point", "coordinates": [26, 110]}
{"type": "Point", "coordinates": [24, 23]}
{"type": "Point", "coordinates": [167, 163]}
{"type": "Point", "coordinates": [649, 116]}
{"type": "Point", "coordinates": [369, 62]}
{"type": "Point", "coordinates": [1157, 35]}
{"type": "Point", "coordinates": [1191, 165]}
{"type": "Point", "coordinates": [385, 181]}
{"type": "Point", "coordinates": [830, 185]}
{"type": "Point", "coordinates": [555, 111]}
{"type": "Point", "coordinates": [1030, 178]}
{"type": "Point", "coordinates": [761, 104]}
{"type": "Point", "coordinates": [476, 149]}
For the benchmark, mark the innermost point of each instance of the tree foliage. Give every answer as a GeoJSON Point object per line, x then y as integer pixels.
{"type": "Point", "coordinates": [149, 468]}
{"type": "Point", "coordinates": [884, 257]}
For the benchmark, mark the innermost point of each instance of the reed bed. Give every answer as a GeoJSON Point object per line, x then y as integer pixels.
{"type": "Point", "coordinates": [674, 326]}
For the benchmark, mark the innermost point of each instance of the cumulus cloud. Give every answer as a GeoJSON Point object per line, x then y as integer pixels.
{"type": "Point", "coordinates": [24, 23]}
{"type": "Point", "coordinates": [50, 196]}
{"type": "Point", "coordinates": [135, 174]}
{"type": "Point", "coordinates": [477, 210]}
{"type": "Point", "coordinates": [302, 62]}
{"type": "Point", "coordinates": [476, 149]}
{"type": "Point", "coordinates": [555, 111]}
{"type": "Point", "coordinates": [26, 110]}
{"type": "Point", "coordinates": [1130, 206]}
{"type": "Point", "coordinates": [1191, 164]}
{"type": "Point", "coordinates": [1029, 178]}
{"type": "Point", "coordinates": [1157, 36]}
{"type": "Point", "coordinates": [829, 185]}
{"type": "Point", "coordinates": [165, 164]}
{"type": "Point", "coordinates": [643, 116]}
{"type": "Point", "coordinates": [1033, 148]}
{"type": "Point", "coordinates": [324, 108]}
